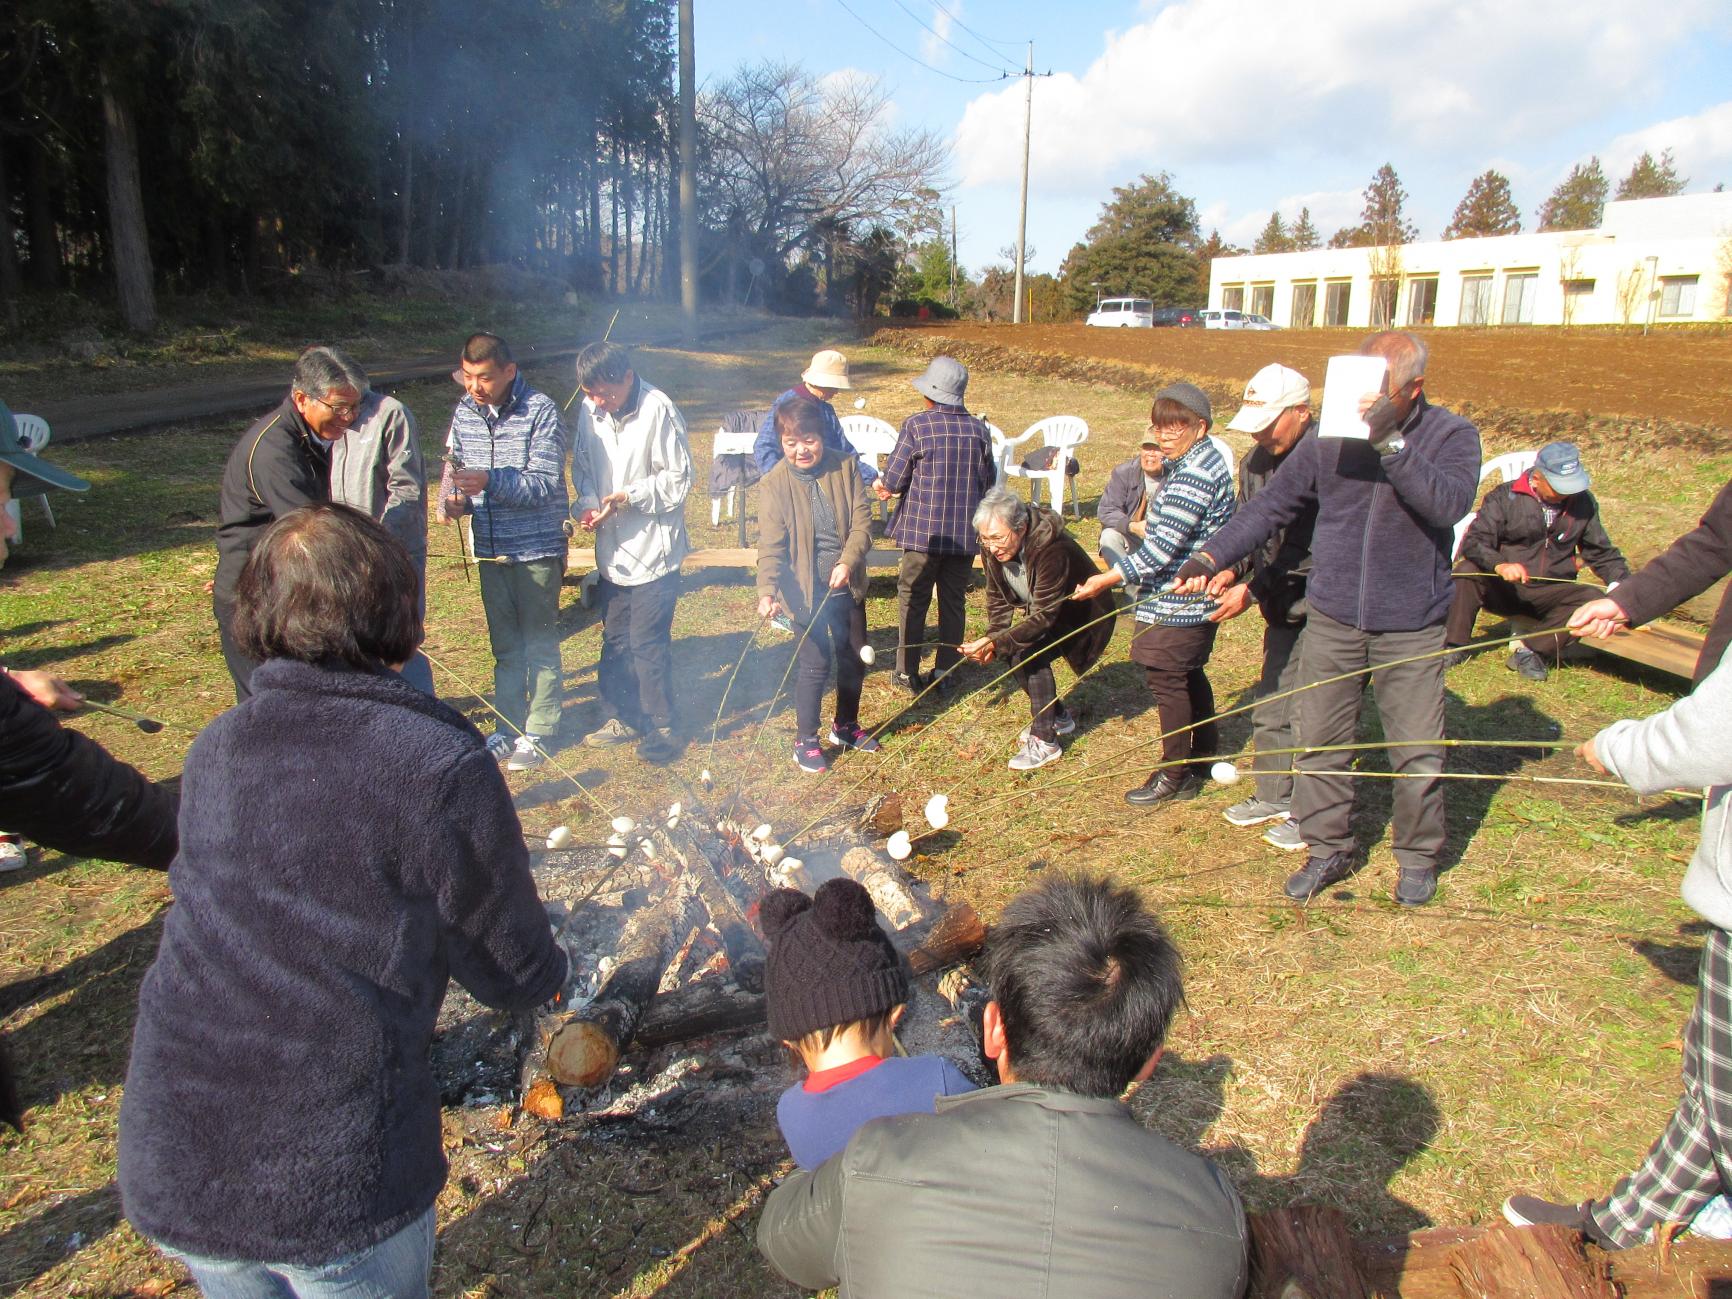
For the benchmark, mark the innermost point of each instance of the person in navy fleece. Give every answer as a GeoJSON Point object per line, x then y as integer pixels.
{"type": "Point", "coordinates": [347, 845]}
{"type": "Point", "coordinates": [835, 989]}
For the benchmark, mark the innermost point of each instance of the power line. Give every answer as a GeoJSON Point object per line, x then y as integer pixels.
{"type": "Point", "coordinates": [941, 36]}
{"type": "Point", "coordinates": [986, 40]}
{"type": "Point", "coordinates": [967, 81]}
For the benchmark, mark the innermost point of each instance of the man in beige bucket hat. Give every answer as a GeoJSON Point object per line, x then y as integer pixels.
{"type": "Point", "coordinates": [822, 380]}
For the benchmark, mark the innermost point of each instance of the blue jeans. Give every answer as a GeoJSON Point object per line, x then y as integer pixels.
{"type": "Point", "coordinates": [395, 1268]}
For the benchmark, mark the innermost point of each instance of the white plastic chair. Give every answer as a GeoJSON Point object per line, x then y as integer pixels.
{"type": "Point", "coordinates": [1506, 468]}
{"type": "Point", "coordinates": [728, 444]}
{"type": "Point", "coordinates": [873, 441]}
{"type": "Point", "coordinates": [1003, 449]}
{"type": "Point", "coordinates": [1064, 433]}
{"type": "Point", "coordinates": [33, 435]}
{"type": "Point", "coordinates": [1227, 455]}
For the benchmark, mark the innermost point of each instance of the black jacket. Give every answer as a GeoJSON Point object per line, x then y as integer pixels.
{"type": "Point", "coordinates": [1688, 567]}
{"type": "Point", "coordinates": [1279, 566]}
{"type": "Point", "coordinates": [347, 845]}
{"type": "Point", "coordinates": [1049, 626]}
{"type": "Point", "coordinates": [278, 465]}
{"type": "Point", "coordinates": [1510, 528]}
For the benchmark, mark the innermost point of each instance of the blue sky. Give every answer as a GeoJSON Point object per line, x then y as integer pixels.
{"type": "Point", "coordinates": [1259, 104]}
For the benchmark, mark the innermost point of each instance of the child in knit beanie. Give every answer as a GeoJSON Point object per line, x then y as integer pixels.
{"type": "Point", "coordinates": [835, 989]}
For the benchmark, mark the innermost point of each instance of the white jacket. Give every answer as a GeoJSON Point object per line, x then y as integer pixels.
{"type": "Point", "coordinates": [377, 468]}
{"type": "Point", "coordinates": [1689, 744]}
{"type": "Point", "coordinates": [645, 455]}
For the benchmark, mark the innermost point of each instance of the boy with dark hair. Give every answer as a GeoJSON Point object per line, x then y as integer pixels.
{"type": "Point", "coordinates": [836, 989]}
{"type": "Point", "coordinates": [1084, 1200]}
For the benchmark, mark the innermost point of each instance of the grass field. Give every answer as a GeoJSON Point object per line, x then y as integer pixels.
{"type": "Point", "coordinates": [1409, 1067]}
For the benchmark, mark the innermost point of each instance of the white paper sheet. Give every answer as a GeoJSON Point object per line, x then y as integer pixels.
{"type": "Point", "coordinates": [1347, 379]}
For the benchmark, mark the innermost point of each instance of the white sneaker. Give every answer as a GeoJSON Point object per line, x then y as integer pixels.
{"type": "Point", "coordinates": [1064, 725]}
{"type": "Point", "coordinates": [1035, 752]}
{"type": "Point", "coordinates": [526, 753]}
{"type": "Point", "coordinates": [1284, 834]}
{"type": "Point", "coordinates": [13, 854]}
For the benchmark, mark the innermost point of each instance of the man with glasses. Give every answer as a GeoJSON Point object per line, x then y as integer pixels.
{"type": "Point", "coordinates": [280, 464]}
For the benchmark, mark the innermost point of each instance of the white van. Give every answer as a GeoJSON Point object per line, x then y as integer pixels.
{"type": "Point", "coordinates": [1123, 313]}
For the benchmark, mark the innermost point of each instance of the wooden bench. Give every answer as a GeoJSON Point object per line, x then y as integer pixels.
{"type": "Point", "coordinates": [1671, 647]}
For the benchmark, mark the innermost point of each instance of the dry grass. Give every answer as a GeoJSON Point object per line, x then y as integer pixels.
{"type": "Point", "coordinates": [1408, 1067]}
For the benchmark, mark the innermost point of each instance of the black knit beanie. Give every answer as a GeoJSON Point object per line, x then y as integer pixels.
{"type": "Point", "coordinates": [829, 963]}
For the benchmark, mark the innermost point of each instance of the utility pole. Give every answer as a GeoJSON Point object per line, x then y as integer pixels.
{"type": "Point", "coordinates": [953, 254]}
{"type": "Point", "coordinates": [688, 176]}
{"type": "Point", "coordinates": [1022, 214]}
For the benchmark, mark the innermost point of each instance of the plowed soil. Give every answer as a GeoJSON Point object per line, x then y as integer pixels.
{"type": "Point", "coordinates": [1672, 374]}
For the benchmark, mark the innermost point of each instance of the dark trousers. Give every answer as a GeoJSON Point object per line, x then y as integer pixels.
{"type": "Point", "coordinates": [837, 632]}
{"type": "Point", "coordinates": [637, 657]}
{"type": "Point", "coordinates": [1034, 674]}
{"type": "Point", "coordinates": [240, 665]}
{"type": "Point", "coordinates": [1275, 724]}
{"type": "Point", "coordinates": [920, 572]}
{"type": "Point", "coordinates": [1409, 702]}
{"type": "Point", "coordinates": [1550, 602]}
{"type": "Point", "coordinates": [1172, 660]}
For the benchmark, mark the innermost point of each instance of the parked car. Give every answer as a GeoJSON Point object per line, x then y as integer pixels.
{"type": "Point", "coordinates": [1217, 319]}
{"type": "Point", "coordinates": [1176, 317]}
{"type": "Point", "coordinates": [1254, 321]}
{"type": "Point", "coordinates": [1123, 313]}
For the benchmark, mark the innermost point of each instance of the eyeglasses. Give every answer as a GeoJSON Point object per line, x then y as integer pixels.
{"type": "Point", "coordinates": [341, 409]}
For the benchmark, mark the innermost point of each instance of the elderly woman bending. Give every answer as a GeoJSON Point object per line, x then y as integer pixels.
{"type": "Point", "coordinates": [347, 844]}
{"type": "Point", "coordinates": [1032, 564]}
{"type": "Point", "coordinates": [1174, 637]}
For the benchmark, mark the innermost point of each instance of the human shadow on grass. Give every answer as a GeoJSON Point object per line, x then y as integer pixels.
{"type": "Point", "coordinates": [45, 1239]}
{"type": "Point", "coordinates": [54, 657]}
{"type": "Point", "coordinates": [1681, 961]}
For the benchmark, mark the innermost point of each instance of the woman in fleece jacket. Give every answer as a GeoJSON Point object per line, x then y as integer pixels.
{"type": "Point", "coordinates": [347, 844]}
{"type": "Point", "coordinates": [1689, 745]}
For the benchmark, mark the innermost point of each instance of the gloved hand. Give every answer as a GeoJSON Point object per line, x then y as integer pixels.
{"type": "Point", "coordinates": [1198, 565]}
{"type": "Point", "coordinates": [1382, 420]}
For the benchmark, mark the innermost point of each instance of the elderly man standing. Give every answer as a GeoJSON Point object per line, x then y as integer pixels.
{"type": "Point", "coordinates": [506, 467]}
{"type": "Point", "coordinates": [280, 464]}
{"type": "Point", "coordinates": [821, 381]}
{"type": "Point", "coordinates": [941, 468]}
{"type": "Point", "coordinates": [1032, 565]}
{"type": "Point", "coordinates": [1277, 415]}
{"type": "Point", "coordinates": [632, 470]}
{"type": "Point", "coordinates": [1534, 527]}
{"type": "Point", "coordinates": [1378, 594]}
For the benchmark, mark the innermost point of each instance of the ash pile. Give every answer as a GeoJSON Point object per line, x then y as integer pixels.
{"type": "Point", "coordinates": [663, 1013]}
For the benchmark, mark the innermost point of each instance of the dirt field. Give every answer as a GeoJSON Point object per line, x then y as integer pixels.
{"type": "Point", "coordinates": [1671, 374]}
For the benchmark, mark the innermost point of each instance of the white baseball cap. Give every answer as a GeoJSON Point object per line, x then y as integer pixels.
{"type": "Point", "coordinates": [1272, 390]}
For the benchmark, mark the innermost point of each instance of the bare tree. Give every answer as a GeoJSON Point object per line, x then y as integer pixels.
{"type": "Point", "coordinates": [1631, 292]}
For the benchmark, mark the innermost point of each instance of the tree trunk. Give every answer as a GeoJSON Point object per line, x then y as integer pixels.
{"type": "Point", "coordinates": [613, 225]}
{"type": "Point", "coordinates": [1304, 1252]}
{"type": "Point", "coordinates": [129, 237]}
{"type": "Point", "coordinates": [627, 198]}
{"type": "Point", "coordinates": [39, 219]}
{"type": "Point", "coordinates": [11, 283]}
{"type": "Point", "coordinates": [1546, 1262]}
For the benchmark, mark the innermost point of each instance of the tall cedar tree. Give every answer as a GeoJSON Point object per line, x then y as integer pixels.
{"type": "Point", "coordinates": [1382, 221]}
{"type": "Point", "coordinates": [1579, 201]}
{"type": "Point", "coordinates": [1304, 234]}
{"type": "Point", "coordinates": [1651, 179]}
{"type": "Point", "coordinates": [1211, 248]}
{"type": "Point", "coordinates": [1276, 238]}
{"type": "Point", "coordinates": [1487, 210]}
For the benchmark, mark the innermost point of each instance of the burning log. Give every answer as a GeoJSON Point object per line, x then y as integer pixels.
{"type": "Point", "coordinates": [745, 952]}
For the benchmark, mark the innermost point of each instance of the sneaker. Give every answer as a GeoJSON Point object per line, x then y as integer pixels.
{"type": "Point", "coordinates": [913, 682]}
{"type": "Point", "coordinates": [659, 745]}
{"type": "Point", "coordinates": [1254, 811]}
{"type": "Point", "coordinates": [1416, 885]}
{"type": "Point", "coordinates": [14, 856]}
{"type": "Point", "coordinates": [526, 753]}
{"type": "Point", "coordinates": [1035, 752]}
{"type": "Point", "coordinates": [809, 756]}
{"type": "Point", "coordinates": [1284, 834]}
{"type": "Point", "coordinates": [499, 745]}
{"type": "Point", "coordinates": [1165, 787]}
{"type": "Point", "coordinates": [1063, 724]}
{"type": "Point", "coordinates": [610, 733]}
{"type": "Point", "coordinates": [1455, 658]}
{"type": "Point", "coordinates": [1318, 874]}
{"type": "Point", "coordinates": [1528, 664]}
{"type": "Point", "coordinates": [850, 735]}
{"type": "Point", "coordinates": [1531, 1211]}
{"type": "Point", "coordinates": [782, 623]}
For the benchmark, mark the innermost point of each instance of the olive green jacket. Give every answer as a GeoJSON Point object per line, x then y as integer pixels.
{"type": "Point", "coordinates": [785, 534]}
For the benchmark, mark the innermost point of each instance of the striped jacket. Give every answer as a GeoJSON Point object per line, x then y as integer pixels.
{"type": "Point", "coordinates": [523, 449]}
{"type": "Point", "coordinates": [1195, 499]}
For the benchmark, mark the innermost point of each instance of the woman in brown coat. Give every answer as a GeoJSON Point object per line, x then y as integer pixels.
{"type": "Point", "coordinates": [813, 539]}
{"type": "Point", "coordinates": [1032, 566]}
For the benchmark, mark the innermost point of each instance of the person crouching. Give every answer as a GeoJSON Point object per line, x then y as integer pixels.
{"type": "Point", "coordinates": [813, 539]}
{"type": "Point", "coordinates": [1032, 564]}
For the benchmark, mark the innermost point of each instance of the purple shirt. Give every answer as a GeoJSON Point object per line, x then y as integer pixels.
{"type": "Point", "coordinates": [817, 1124]}
{"type": "Point", "coordinates": [941, 468]}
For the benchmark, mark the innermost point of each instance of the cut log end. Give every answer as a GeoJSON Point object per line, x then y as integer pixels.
{"type": "Point", "coordinates": [581, 1054]}
{"type": "Point", "coordinates": [544, 1101]}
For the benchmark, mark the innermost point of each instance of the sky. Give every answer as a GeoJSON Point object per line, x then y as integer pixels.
{"type": "Point", "coordinates": [1261, 105]}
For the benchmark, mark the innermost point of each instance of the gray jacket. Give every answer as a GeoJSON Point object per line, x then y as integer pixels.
{"type": "Point", "coordinates": [377, 468]}
{"type": "Point", "coordinates": [1015, 1190]}
{"type": "Point", "coordinates": [1689, 744]}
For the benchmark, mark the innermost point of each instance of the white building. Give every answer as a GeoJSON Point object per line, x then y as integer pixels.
{"type": "Point", "coordinates": [1652, 261]}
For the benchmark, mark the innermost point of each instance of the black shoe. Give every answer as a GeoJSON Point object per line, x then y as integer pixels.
{"type": "Point", "coordinates": [1526, 663]}
{"type": "Point", "coordinates": [1455, 658]}
{"type": "Point", "coordinates": [1318, 874]}
{"type": "Point", "coordinates": [1531, 1211]}
{"type": "Point", "coordinates": [913, 682]}
{"type": "Point", "coordinates": [1164, 787]}
{"type": "Point", "coordinates": [1416, 885]}
{"type": "Point", "coordinates": [659, 745]}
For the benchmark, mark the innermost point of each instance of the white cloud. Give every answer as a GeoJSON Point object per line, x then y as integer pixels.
{"type": "Point", "coordinates": [1701, 145]}
{"type": "Point", "coordinates": [932, 43]}
{"type": "Point", "coordinates": [1247, 81]}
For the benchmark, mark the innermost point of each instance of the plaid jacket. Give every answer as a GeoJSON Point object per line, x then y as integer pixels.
{"type": "Point", "coordinates": [941, 468]}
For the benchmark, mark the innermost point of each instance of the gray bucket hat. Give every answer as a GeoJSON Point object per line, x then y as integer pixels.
{"type": "Point", "coordinates": [945, 380]}
{"type": "Point", "coordinates": [33, 475]}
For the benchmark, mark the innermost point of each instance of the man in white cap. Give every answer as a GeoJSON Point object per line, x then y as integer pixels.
{"type": "Point", "coordinates": [1534, 528]}
{"type": "Point", "coordinates": [821, 381]}
{"type": "Point", "coordinates": [1277, 414]}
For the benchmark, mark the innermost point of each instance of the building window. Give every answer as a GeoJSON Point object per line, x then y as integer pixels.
{"type": "Point", "coordinates": [1233, 297]}
{"type": "Point", "coordinates": [1678, 295]}
{"type": "Point", "coordinates": [1578, 288]}
{"type": "Point", "coordinates": [1421, 299]}
{"type": "Point", "coordinates": [1263, 299]}
{"type": "Point", "coordinates": [1519, 294]}
{"type": "Point", "coordinates": [1475, 300]}
{"type": "Point", "coordinates": [1305, 306]}
{"type": "Point", "coordinates": [1384, 292]}
{"type": "Point", "coordinates": [1335, 299]}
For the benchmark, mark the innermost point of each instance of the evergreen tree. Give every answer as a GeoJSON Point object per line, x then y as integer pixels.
{"type": "Point", "coordinates": [1304, 234]}
{"type": "Point", "coordinates": [1579, 201]}
{"type": "Point", "coordinates": [1276, 238]}
{"type": "Point", "coordinates": [1651, 179]}
{"type": "Point", "coordinates": [1381, 221]}
{"type": "Point", "coordinates": [1211, 248]}
{"type": "Point", "coordinates": [1486, 210]}
{"type": "Point", "coordinates": [1144, 244]}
